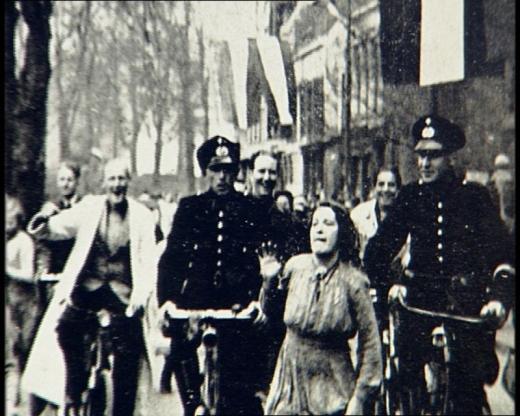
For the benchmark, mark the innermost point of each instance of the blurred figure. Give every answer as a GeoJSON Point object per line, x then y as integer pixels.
{"type": "Point", "coordinates": [301, 208]}
{"type": "Point", "coordinates": [153, 205]}
{"type": "Point", "coordinates": [52, 255]}
{"type": "Point", "coordinates": [502, 190]}
{"type": "Point", "coordinates": [20, 293]}
{"type": "Point", "coordinates": [369, 214]}
{"type": "Point", "coordinates": [284, 202]}
{"type": "Point", "coordinates": [11, 374]}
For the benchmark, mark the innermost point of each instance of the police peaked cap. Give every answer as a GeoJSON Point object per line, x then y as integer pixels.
{"type": "Point", "coordinates": [218, 151]}
{"type": "Point", "coordinates": [441, 130]}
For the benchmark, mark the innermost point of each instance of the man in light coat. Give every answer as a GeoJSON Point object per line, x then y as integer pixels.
{"type": "Point", "coordinates": [112, 266]}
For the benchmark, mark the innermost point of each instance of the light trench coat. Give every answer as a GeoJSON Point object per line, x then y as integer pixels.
{"type": "Point", "coordinates": [365, 220]}
{"type": "Point", "coordinates": [44, 374]}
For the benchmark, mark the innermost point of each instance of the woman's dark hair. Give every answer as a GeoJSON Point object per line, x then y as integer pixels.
{"type": "Point", "coordinates": [348, 240]}
{"type": "Point", "coordinates": [392, 169]}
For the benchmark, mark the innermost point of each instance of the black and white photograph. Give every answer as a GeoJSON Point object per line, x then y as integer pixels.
{"type": "Point", "coordinates": [259, 207]}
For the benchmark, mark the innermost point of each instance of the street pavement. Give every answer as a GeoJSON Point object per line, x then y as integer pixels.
{"type": "Point", "coordinates": [151, 403]}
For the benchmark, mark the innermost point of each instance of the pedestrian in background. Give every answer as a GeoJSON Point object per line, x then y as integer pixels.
{"type": "Point", "coordinates": [52, 255]}
{"type": "Point", "coordinates": [502, 188]}
{"type": "Point", "coordinates": [281, 230]}
{"type": "Point", "coordinates": [20, 293]}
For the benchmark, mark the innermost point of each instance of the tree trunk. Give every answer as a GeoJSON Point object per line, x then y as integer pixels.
{"type": "Point", "coordinates": [30, 116]}
{"type": "Point", "coordinates": [158, 151]}
{"type": "Point", "coordinates": [11, 17]}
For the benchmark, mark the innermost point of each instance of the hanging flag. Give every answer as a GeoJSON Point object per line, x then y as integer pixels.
{"type": "Point", "coordinates": [442, 41]}
{"type": "Point", "coordinates": [238, 49]}
{"type": "Point", "coordinates": [272, 62]}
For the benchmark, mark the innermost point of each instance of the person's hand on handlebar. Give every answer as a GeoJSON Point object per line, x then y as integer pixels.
{"type": "Point", "coordinates": [494, 310]}
{"type": "Point", "coordinates": [397, 292]}
{"type": "Point", "coordinates": [168, 308]}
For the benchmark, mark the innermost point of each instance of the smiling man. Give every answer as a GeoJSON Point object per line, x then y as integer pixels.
{"type": "Point", "coordinates": [112, 266]}
{"type": "Point", "coordinates": [459, 249]}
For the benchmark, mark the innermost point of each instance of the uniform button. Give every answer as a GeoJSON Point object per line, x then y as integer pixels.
{"type": "Point", "coordinates": [439, 205]}
{"type": "Point", "coordinates": [439, 246]}
{"type": "Point", "coordinates": [219, 263]}
{"type": "Point", "coordinates": [441, 259]}
{"type": "Point", "coordinates": [219, 250]}
{"type": "Point", "coordinates": [220, 237]}
{"type": "Point", "coordinates": [190, 265]}
{"type": "Point", "coordinates": [440, 219]}
{"type": "Point", "coordinates": [220, 225]}
{"type": "Point", "coordinates": [244, 249]}
{"type": "Point", "coordinates": [439, 231]}
{"type": "Point", "coordinates": [195, 246]}
{"type": "Point", "coordinates": [221, 214]}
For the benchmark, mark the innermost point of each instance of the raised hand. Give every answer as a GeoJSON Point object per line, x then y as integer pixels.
{"type": "Point", "coordinates": [270, 265]}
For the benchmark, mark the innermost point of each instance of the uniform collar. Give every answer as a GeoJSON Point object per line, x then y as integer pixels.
{"type": "Point", "coordinates": [446, 181]}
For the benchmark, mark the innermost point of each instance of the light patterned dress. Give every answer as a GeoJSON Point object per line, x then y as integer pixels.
{"type": "Point", "coordinates": [323, 309]}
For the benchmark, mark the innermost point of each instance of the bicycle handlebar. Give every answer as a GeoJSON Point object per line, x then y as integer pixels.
{"type": "Point", "coordinates": [49, 277]}
{"type": "Point", "coordinates": [205, 314]}
{"type": "Point", "coordinates": [444, 315]}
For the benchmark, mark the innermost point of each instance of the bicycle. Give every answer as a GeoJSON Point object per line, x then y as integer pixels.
{"type": "Point", "coordinates": [97, 398]}
{"type": "Point", "coordinates": [437, 370]}
{"type": "Point", "coordinates": [207, 318]}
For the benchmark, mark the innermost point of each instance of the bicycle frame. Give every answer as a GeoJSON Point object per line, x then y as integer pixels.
{"type": "Point", "coordinates": [99, 387]}
{"type": "Point", "coordinates": [210, 388]}
{"type": "Point", "coordinates": [437, 371]}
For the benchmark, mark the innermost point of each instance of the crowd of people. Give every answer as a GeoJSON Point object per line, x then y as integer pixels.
{"type": "Point", "coordinates": [306, 270]}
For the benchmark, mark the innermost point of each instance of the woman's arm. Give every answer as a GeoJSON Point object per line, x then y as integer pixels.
{"type": "Point", "coordinates": [369, 344]}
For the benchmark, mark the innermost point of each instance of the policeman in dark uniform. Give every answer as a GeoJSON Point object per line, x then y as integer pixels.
{"type": "Point", "coordinates": [458, 244]}
{"type": "Point", "coordinates": [210, 261]}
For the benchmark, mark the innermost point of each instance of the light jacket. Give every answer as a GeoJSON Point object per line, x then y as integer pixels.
{"type": "Point", "coordinates": [45, 370]}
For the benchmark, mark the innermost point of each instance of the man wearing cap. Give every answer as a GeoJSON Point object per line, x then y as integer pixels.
{"type": "Point", "coordinates": [461, 261]}
{"type": "Point", "coordinates": [210, 261]}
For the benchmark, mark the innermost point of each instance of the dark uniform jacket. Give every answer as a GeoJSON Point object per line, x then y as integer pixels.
{"type": "Point", "coordinates": [284, 230]}
{"type": "Point", "coordinates": [210, 260]}
{"type": "Point", "coordinates": [455, 231]}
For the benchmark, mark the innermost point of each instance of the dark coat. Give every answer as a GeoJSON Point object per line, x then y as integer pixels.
{"type": "Point", "coordinates": [210, 259]}
{"type": "Point", "coordinates": [290, 235]}
{"type": "Point", "coordinates": [455, 230]}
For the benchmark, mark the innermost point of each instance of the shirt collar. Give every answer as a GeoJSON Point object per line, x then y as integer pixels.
{"type": "Point", "coordinates": [121, 208]}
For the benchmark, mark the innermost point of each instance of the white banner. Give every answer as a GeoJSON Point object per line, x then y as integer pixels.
{"type": "Point", "coordinates": [442, 41]}
{"type": "Point", "coordinates": [272, 62]}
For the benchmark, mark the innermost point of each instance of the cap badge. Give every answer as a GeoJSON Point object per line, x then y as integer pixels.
{"type": "Point", "coordinates": [222, 151]}
{"type": "Point", "coordinates": [428, 132]}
